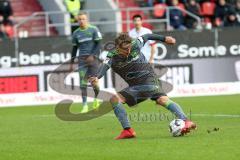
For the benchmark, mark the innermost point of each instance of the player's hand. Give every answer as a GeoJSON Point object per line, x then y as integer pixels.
{"type": "Point", "coordinates": [151, 61]}
{"type": "Point", "coordinates": [93, 80]}
{"type": "Point", "coordinates": [90, 59]}
{"type": "Point", "coordinates": [170, 40]}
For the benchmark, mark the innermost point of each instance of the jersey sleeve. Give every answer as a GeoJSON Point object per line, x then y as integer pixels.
{"type": "Point", "coordinates": [140, 42]}
{"type": "Point", "coordinates": [156, 37]}
{"type": "Point", "coordinates": [150, 42]}
{"type": "Point", "coordinates": [97, 34]}
{"type": "Point", "coordinates": [74, 40]}
{"type": "Point", "coordinates": [108, 59]}
{"type": "Point", "coordinates": [136, 47]}
{"type": "Point", "coordinates": [106, 65]}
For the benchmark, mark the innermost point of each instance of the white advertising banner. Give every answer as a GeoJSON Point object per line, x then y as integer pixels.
{"type": "Point", "coordinates": [52, 98]}
{"type": "Point", "coordinates": [208, 89]}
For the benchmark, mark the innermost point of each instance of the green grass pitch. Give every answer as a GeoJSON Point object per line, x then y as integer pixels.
{"type": "Point", "coordinates": [34, 133]}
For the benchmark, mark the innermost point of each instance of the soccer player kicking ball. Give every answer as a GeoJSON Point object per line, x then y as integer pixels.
{"type": "Point", "coordinates": [128, 61]}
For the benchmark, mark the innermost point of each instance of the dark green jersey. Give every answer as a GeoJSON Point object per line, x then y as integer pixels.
{"type": "Point", "coordinates": [134, 69]}
{"type": "Point", "coordinates": [85, 39]}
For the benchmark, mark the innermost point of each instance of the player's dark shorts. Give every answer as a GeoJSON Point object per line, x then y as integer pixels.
{"type": "Point", "coordinates": [88, 68]}
{"type": "Point", "coordinates": [140, 93]}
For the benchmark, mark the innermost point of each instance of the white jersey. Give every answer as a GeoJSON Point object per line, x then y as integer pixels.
{"type": "Point", "coordinates": [146, 50]}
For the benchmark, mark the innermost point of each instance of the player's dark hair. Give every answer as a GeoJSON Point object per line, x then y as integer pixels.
{"type": "Point", "coordinates": [123, 39]}
{"type": "Point", "coordinates": [137, 16]}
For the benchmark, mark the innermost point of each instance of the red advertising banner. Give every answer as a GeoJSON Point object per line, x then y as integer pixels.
{"type": "Point", "coordinates": [18, 84]}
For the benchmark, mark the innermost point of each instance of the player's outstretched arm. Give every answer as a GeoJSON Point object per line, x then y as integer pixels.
{"type": "Point", "coordinates": [74, 53]}
{"type": "Point", "coordinates": [102, 71]}
{"type": "Point", "coordinates": [156, 37]}
{"type": "Point", "coordinates": [105, 66]}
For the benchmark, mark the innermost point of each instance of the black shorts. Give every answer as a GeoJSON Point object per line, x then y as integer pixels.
{"type": "Point", "coordinates": [140, 93]}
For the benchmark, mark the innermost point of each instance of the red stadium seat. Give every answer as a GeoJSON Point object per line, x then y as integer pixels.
{"type": "Point", "coordinates": [25, 8]}
{"type": "Point", "coordinates": [159, 10]}
{"type": "Point", "coordinates": [208, 8]}
{"type": "Point", "coordinates": [123, 4]}
{"type": "Point", "coordinates": [207, 20]}
{"type": "Point", "coordinates": [9, 30]}
{"type": "Point", "coordinates": [218, 22]}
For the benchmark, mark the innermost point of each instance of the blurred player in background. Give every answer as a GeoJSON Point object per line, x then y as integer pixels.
{"type": "Point", "coordinates": [86, 39]}
{"type": "Point", "coordinates": [73, 7]}
{"type": "Point", "coordinates": [128, 61]}
{"type": "Point", "coordinates": [149, 48]}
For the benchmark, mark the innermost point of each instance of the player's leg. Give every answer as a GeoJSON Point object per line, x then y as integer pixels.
{"type": "Point", "coordinates": [83, 87]}
{"type": "Point", "coordinates": [120, 112]}
{"type": "Point", "coordinates": [131, 96]}
{"type": "Point", "coordinates": [92, 72]}
{"type": "Point", "coordinates": [176, 110]}
{"type": "Point", "coordinates": [173, 107]}
{"type": "Point", "coordinates": [96, 89]}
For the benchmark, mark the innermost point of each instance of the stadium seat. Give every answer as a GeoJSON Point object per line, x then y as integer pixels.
{"type": "Point", "coordinates": [9, 30]}
{"type": "Point", "coordinates": [24, 8]}
{"type": "Point", "coordinates": [159, 10]}
{"type": "Point", "coordinates": [207, 20]}
{"type": "Point", "coordinates": [208, 8]}
{"type": "Point", "coordinates": [123, 4]}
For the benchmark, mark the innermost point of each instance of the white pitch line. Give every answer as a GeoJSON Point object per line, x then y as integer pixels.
{"type": "Point", "coordinates": [217, 115]}
{"type": "Point", "coordinates": [152, 113]}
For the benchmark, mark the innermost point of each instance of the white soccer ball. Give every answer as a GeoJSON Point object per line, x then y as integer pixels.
{"type": "Point", "coordinates": [176, 127]}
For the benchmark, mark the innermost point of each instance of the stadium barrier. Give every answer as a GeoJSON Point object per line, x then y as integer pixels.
{"type": "Point", "coordinates": [110, 20]}
{"type": "Point", "coordinates": [51, 97]}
